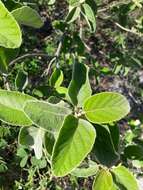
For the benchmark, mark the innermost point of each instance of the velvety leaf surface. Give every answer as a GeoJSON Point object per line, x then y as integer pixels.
{"type": "Point", "coordinates": [103, 181]}
{"type": "Point", "coordinates": [79, 88]}
{"type": "Point", "coordinates": [46, 115]}
{"type": "Point", "coordinates": [11, 108]}
{"type": "Point", "coordinates": [89, 16]}
{"type": "Point", "coordinates": [32, 137]}
{"type": "Point", "coordinates": [74, 142]}
{"type": "Point", "coordinates": [106, 107]}
{"type": "Point", "coordinates": [10, 34]}
{"type": "Point", "coordinates": [125, 177]}
{"type": "Point", "coordinates": [73, 14]}
{"type": "Point", "coordinates": [27, 16]}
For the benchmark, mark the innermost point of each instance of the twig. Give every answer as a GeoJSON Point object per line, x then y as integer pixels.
{"type": "Point", "coordinates": [28, 55]}
{"type": "Point", "coordinates": [112, 4]}
{"type": "Point", "coordinates": [128, 30]}
{"type": "Point", "coordinates": [47, 70]}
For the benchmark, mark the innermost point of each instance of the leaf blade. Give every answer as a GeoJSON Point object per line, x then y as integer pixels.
{"type": "Point", "coordinates": [10, 33]}
{"type": "Point", "coordinates": [46, 115]}
{"type": "Point", "coordinates": [106, 107]}
{"type": "Point", "coordinates": [11, 108]}
{"type": "Point", "coordinates": [75, 135]}
{"type": "Point", "coordinates": [27, 16]}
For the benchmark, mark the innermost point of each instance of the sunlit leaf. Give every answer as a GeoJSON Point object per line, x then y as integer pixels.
{"type": "Point", "coordinates": [106, 107]}
{"type": "Point", "coordinates": [46, 115]}
{"type": "Point", "coordinates": [11, 108]}
{"type": "Point", "coordinates": [10, 33]}
{"type": "Point", "coordinates": [74, 142]}
{"type": "Point", "coordinates": [125, 177]}
{"type": "Point", "coordinates": [79, 88]}
{"type": "Point", "coordinates": [103, 181]}
{"type": "Point", "coordinates": [32, 137]}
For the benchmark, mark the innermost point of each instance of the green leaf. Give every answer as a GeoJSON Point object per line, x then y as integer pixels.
{"type": "Point", "coordinates": [73, 15]}
{"type": "Point", "coordinates": [21, 80]}
{"type": "Point", "coordinates": [46, 115]}
{"type": "Point", "coordinates": [89, 16]}
{"type": "Point", "coordinates": [24, 161]}
{"type": "Point", "coordinates": [75, 3]}
{"type": "Point", "coordinates": [106, 155]}
{"type": "Point", "coordinates": [39, 163]}
{"type": "Point", "coordinates": [51, 2]}
{"type": "Point", "coordinates": [93, 5]}
{"type": "Point", "coordinates": [106, 107]}
{"type": "Point", "coordinates": [57, 78]}
{"type": "Point", "coordinates": [124, 177]}
{"type": "Point", "coordinates": [11, 4]}
{"type": "Point", "coordinates": [134, 152]}
{"type": "Point", "coordinates": [6, 55]}
{"type": "Point", "coordinates": [85, 172]}
{"type": "Point", "coordinates": [11, 108]}
{"type": "Point", "coordinates": [62, 91]}
{"type": "Point", "coordinates": [27, 16]}
{"type": "Point", "coordinates": [115, 135]}
{"type": "Point", "coordinates": [74, 142]}
{"type": "Point", "coordinates": [10, 33]}
{"type": "Point", "coordinates": [32, 137]}
{"type": "Point", "coordinates": [103, 181]}
{"type": "Point", "coordinates": [49, 142]}
{"type": "Point", "coordinates": [79, 88]}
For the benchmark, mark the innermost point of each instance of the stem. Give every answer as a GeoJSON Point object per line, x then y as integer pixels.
{"type": "Point", "coordinates": [28, 55]}
{"type": "Point", "coordinates": [111, 4]}
{"type": "Point", "coordinates": [47, 70]}
{"type": "Point", "coordinates": [57, 54]}
{"type": "Point", "coordinates": [128, 30]}
{"type": "Point", "coordinates": [81, 27]}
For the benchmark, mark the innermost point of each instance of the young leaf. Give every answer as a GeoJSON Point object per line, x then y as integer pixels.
{"type": "Point", "coordinates": [10, 33]}
{"type": "Point", "coordinates": [106, 107]}
{"type": "Point", "coordinates": [32, 137]}
{"type": "Point", "coordinates": [46, 115]}
{"type": "Point", "coordinates": [74, 142]}
{"type": "Point", "coordinates": [79, 88]}
{"type": "Point", "coordinates": [73, 15]}
{"type": "Point", "coordinates": [106, 155]}
{"type": "Point", "coordinates": [27, 16]}
{"type": "Point", "coordinates": [124, 177]}
{"type": "Point", "coordinates": [57, 78]}
{"type": "Point", "coordinates": [21, 80]}
{"type": "Point", "coordinates": [84, 172]}
{"type": "Point", "coordinates": [89, 16]}
{"type": "Point", "coordinates": [11, 108]}
{"type": "Point", "coordinates": [103, 181]}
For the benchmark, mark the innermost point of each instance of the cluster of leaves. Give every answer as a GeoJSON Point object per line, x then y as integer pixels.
{"type": "Point", "coordinates": [73, 130]}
